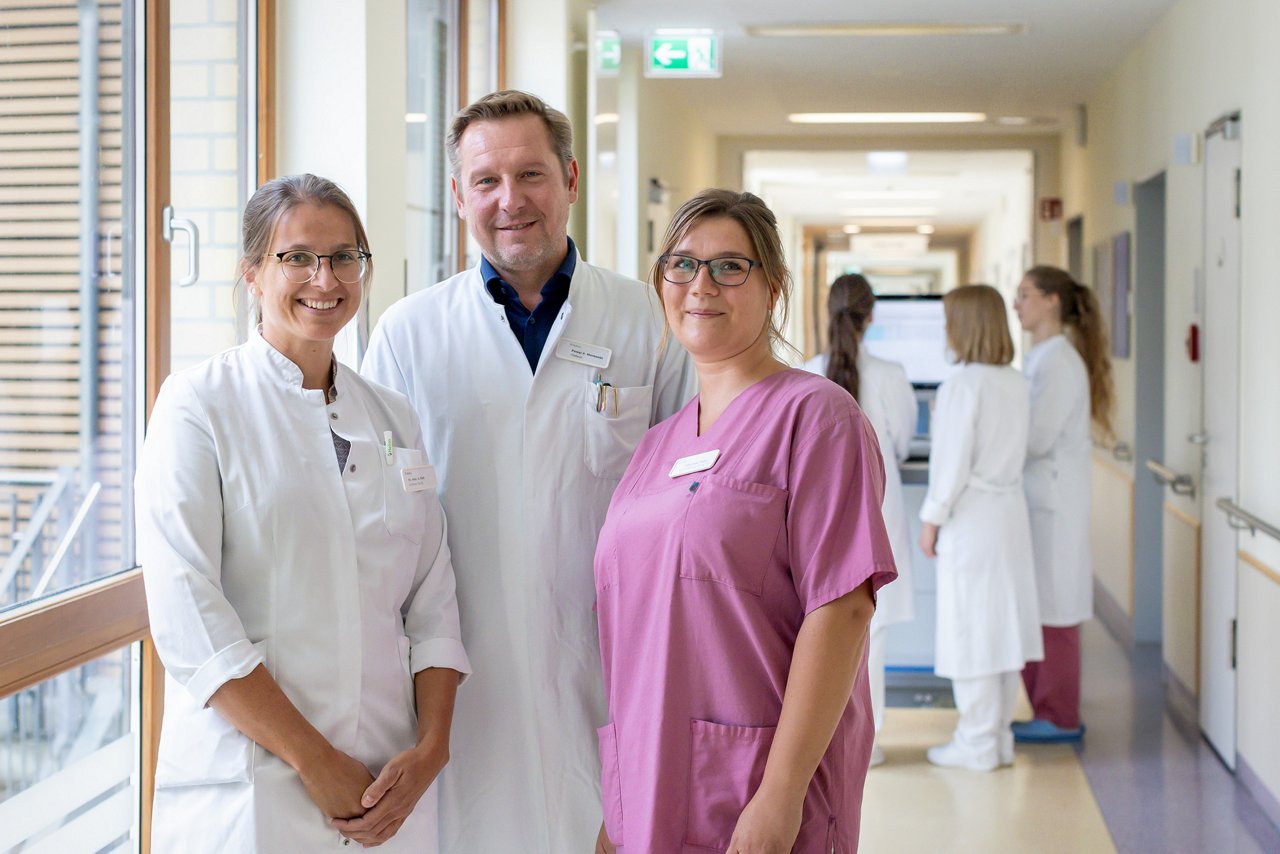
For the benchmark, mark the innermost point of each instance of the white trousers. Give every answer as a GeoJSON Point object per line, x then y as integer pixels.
{"type": "Point", "coordinates": [986, 706]}
{"type": "Point", "coordinates": [875, 672]}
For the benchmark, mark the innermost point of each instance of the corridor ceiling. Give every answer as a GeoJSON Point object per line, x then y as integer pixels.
{"type": "Point", "coordinates": [1066, 50]}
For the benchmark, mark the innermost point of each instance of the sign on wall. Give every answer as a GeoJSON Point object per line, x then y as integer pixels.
{"type": "Point", "coordinates": [682, 53]}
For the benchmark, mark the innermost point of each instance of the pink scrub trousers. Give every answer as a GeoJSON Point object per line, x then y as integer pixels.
{"type": "Point", "coordinates": [702, 583]}
{"type": "Point", "coordinates": [1053, 685]}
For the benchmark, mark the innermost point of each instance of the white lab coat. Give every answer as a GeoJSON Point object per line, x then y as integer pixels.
{"type": "Point", "coordinates": [988, 621]}
{"type": "Point", "coordinates": [886, 398]}
{"type": "Point", "coordinates": [255, 549]}
{"type": "Point", "coordinates": [527, 467]}
{"type": "Point", "coordinates": [1057, 481]}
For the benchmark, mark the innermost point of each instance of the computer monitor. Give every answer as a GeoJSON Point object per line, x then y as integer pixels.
{"type": "Point", "coordinates": [912, 331]}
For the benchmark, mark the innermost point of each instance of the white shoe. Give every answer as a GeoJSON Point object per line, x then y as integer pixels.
{"type": "Point", "coordinates": [1006, 748]}
{"type": "Point", "coordinates": [877, 756]}
{"type": "Point", "coordinates": [952, 755]}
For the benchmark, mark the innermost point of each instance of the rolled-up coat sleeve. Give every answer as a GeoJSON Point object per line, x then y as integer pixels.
{"type": "Point", "coordinates": [431, 611]}
{"type": "Point", "coordinates": [178, 487]}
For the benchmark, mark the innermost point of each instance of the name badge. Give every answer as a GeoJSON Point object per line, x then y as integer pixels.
{"type": "Point", "coordinates": [697, 462]}
{"type": "Point", "coordinates": [583, 353]}
{"type": "Point", "coordinates": [418, 478]}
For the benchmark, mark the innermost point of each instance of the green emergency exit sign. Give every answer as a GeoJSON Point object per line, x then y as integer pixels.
{"type": "Point", "coordinates": [682, 53]}
{"type": "Point", "coordinates": [608, 52]}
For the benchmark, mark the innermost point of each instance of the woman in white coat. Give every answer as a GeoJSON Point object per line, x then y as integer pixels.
{"type": "Point", "coordinates": [1070, 376]}
{"type": "Point", "coordinates": [298, 580]}
{"type": "Point", "coordinates": [976, 525]}
{"type": "Point", "coordinates": [885, 396]}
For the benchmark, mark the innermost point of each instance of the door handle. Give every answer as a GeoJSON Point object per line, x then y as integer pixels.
{"type": "Point", "coordinates": [172, 224]}
{"type": "Point", "coordinates": [1198, 438]}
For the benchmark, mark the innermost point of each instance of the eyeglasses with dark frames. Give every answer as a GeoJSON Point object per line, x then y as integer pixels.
{"type": "Point", "coordinates": [729, 271]}
{"type": "Point", "coordinates": [301, 265]}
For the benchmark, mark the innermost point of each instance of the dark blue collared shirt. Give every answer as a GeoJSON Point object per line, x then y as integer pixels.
{"type": "Point", "coordinates": [531, 328]}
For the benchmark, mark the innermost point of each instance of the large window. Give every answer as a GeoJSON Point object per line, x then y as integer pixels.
{"type": "Point", "coordinates": [431, 95]}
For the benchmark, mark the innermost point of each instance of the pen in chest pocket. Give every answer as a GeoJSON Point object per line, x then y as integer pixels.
{"type": "Point", "coordinates": [606, 392]}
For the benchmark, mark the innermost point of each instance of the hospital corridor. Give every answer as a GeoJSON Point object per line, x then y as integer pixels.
{"type": "Point", "coordinates": [639, 426]}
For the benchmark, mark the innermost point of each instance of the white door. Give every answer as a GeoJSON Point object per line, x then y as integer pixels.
{"type": "Point", "coordinates": [1221, 401]}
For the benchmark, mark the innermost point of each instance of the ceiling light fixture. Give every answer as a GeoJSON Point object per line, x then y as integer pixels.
{"type": "Point", "coordinates": [1015, 121]}
{"type": "Point", "coordinates": [884, 29]}
{"type": "Point", "coordinates": [889, 212]}
{"type": "Point", "coordinates": [852, 228]}
{"type": "Point", "coordinates": [607, 119]}
{"type": "Point", "coordinates": [924, 229]}
{"type": "Point", "coordinates": [415, 118]}
{"type": "Point", "coordinates": [885, 118]}
{"type": "Point", "coordinates": [889, 195]}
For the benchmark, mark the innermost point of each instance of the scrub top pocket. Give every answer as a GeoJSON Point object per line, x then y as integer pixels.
{"type": "Point", "coordinates": [405, 512]}
{"type": "Point", "coordinates": [726, 765]}
{"type": "Point", "coordinates": [730, 530]}
{"type": "Point", "coordinates": [615, 419]}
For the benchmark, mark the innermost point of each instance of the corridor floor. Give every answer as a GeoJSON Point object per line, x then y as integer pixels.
{"type": "Point", "coordinates": [1138, 785]}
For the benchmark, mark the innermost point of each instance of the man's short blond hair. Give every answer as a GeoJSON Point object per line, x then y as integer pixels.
{"type": "Point", "coordinates": [510, 103]}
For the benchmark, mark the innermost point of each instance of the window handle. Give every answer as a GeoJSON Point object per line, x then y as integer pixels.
{"type": "Point", "coordinates": [172, 224]}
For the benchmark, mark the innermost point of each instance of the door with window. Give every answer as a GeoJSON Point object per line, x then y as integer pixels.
{"type": "Point", "coordinates": [91, 110]}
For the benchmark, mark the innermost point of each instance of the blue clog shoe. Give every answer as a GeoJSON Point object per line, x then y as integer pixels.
{"type": "Point", "coordinates": [1041, 731]}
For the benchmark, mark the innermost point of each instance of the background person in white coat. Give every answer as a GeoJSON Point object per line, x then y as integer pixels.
{"type": "Point", "coordinates": [975, 523]}
{"type": "Point", "coordinates": [535, 374]}
{"type": "Point", "coordinates": [298, 581]}
{"type": "Point", "coordinates": [1070, 376]}
{"type": "Point", "coordinates": [885, 396]}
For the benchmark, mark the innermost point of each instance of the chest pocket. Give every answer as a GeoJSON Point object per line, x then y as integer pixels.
{"type": "Point", "coordinates": [730, 530]}
{"type": "Point", "coordinates": [404, 511]}
{"type": "Point", "coordinates": [615, 420]}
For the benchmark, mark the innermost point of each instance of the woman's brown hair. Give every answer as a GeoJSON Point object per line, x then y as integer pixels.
{"type": "Point", "coordinates": [1081, 317]}
{"type": "Point", "coordinates": [849, 307]}
{"type": "Point", "coordinates": [978, 325]}
{"type": "Point", "coordinates": [750, 212]}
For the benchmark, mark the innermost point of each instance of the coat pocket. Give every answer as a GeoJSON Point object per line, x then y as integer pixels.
{"type": "Point", "coordinates": [730, 531]}
{"type": "Point", "coordinates": [726, 765]}
{"type": "Point", "coordinates": [610, 782]}
{"type": "Point", "coordinates": [200, 747]}
{"type": "Point", "coordinates": [404, 510]}
{"type": "Point", "coordinates": [615, 420]}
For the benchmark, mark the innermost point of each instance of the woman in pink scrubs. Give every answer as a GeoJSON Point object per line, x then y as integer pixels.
{"type": "Point", "coordinates": [736, 575]}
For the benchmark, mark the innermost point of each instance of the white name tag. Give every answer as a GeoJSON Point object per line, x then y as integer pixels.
{"type": "Point", "coordinates": [583, 354]}
{"type": "Point", "coordinates": [698, 462]}
{"type": "Point", "coordinates": [418, 478]}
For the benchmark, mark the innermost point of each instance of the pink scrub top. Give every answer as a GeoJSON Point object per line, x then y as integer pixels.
{"type": "Point", "coordinates": [702, 583]}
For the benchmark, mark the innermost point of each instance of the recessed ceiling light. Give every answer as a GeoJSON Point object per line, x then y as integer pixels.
{"type": "Point", "coordinates": [884, 29]}
{"type": "Point", "coordinates": [607, 119]}
{"type": "Point", "coordinates": [415, 118]}
{"type": "Point", "coordinates": [852, 228]}
{"type": "Point", "coordinates": [924, 229]}
{"type": "Point", "coordinates": [884, 118]}
{"type": "Point", "coordinates": [889, 195]}
{"type": "Point", "coordinates": [1014, 120]}
{"type": "Point", "coordinates": [889, 212]}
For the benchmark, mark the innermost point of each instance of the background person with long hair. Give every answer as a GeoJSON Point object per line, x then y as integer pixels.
{"type": "Point", "coordinates": [736, 575]}
{"type": "Point", "coordinates": [885, 396]}
{"type": "Point", "coordinates": [975, 523]}
{"type": "Point", "coordinates": [1070, 376]}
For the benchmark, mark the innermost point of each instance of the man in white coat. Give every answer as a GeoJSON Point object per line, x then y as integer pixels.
{"type": "Point", "coordinates": [535, 375]}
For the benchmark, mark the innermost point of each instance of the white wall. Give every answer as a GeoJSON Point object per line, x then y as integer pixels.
{"type": "Point", "coordinates": [1203, 59]}
{"type": "Point", "coordinates": [336, 112]}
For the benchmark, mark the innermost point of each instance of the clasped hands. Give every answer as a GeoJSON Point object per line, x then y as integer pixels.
{"type": "Point", "coordinates": [364, 809]}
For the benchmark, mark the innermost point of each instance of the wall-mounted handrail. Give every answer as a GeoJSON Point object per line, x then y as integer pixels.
{"type": "Point", "coordinates": [1181, 484]}
{"type": "Point", "coordinates": [1243, 520]}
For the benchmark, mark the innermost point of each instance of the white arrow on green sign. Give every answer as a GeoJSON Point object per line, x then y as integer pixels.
{"type": "Point", "coordinates": [683, 53]}
{"type": "Point", "coordinates": [608, 51]}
